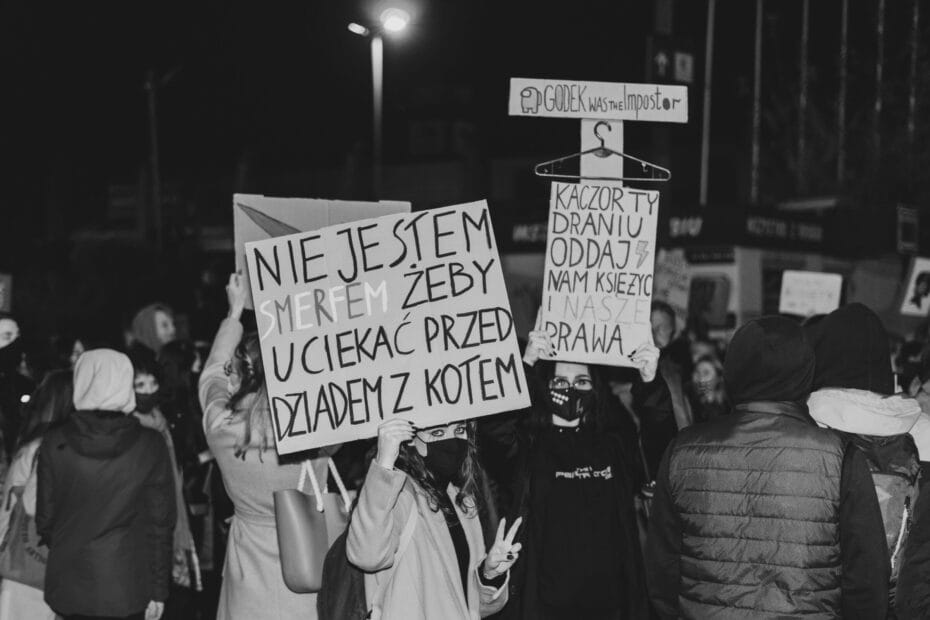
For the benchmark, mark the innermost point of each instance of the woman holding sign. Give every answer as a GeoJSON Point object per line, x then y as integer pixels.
{"type": "Point", "coordinates": [416, 530]}
{"type": "Point", "coordinates": [238, 428]}
{"type": "Point", "coordinates": [573, 486]}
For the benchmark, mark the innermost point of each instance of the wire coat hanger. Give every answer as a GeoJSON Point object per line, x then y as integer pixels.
{"type": "Point", "coordinates": [547, 168]}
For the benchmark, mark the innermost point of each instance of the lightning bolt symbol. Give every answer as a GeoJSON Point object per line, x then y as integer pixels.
{"type": "Point", "coordinates": [642, 248]}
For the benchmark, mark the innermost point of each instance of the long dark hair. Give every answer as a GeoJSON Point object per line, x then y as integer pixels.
{"type": "Point", "coordinates": [247, 364]}
{"type": "Point", "coordinates": [540, 417]}
{"type": "Point", "coordinates": [50, 405]}
{"type": "Point", "coordinates": [467, 480]}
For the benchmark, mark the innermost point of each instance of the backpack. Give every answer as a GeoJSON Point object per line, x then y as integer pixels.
{"type": "Point", "coordinates": [895, 469]}
{"type": "Point", "coordinates": [342, 593]}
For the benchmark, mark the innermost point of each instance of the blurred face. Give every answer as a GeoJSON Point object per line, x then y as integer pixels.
{"type": "Point", "coordinates": [77, 350]}
{"type": "Point", "coordinates": [144, 383]}
{"type": "Point", "coordinates": [705, 375]}
{"type": "Point", "coordinates": [663, 328]}
{"type": "Point", "coordinates": [9, 331]}
{"type": "Point", "coordinates": [164, 327]}
{"type": "Point", "coordinates": [424, 436]}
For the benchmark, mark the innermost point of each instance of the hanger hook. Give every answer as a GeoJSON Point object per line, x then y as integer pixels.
{"type": "Point", "coordinates": [598, 134]}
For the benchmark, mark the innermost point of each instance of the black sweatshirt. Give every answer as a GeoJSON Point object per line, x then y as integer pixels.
{"type": "Point", "coordinates": [864, 554]}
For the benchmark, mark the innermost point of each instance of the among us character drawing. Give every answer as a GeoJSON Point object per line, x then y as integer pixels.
{"type": "Point", "coordinates": [530, 100]}
{"type": "Point", "coordinates": [920, 291]}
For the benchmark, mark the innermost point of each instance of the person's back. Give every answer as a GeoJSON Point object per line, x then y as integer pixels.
{"type": "Point", "coordinates": [105, 503]}
{"type": "Point", "coordinates": [761, 513]}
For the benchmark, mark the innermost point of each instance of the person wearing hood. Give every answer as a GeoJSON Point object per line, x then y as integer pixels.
{"type": "Point", "coordinates": [761, 513]}
{"type": "Point", "coordinates": [105, 500]}
{"type": "Point", "coordinates": [855, 396]}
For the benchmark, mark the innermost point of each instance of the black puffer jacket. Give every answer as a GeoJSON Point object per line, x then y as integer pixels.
{"type": "Point", "coordinates": [106, 509]}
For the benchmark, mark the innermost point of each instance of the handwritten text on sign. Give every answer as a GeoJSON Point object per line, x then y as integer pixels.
{"type": "Point", "coordinates": [599, 271]}
{"type": "Point", "coordinates": [403, 315]}
{"type": "Point", "coordinates": [598, 100]}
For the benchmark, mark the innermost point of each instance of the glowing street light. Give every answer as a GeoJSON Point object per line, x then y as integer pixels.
{"type": "Point", "coordinates": [393, 20]}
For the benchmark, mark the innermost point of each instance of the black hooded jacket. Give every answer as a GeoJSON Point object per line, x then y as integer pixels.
{"type": "Point", "coordinates": [106, 509]}
{"type": "Point", "coordinates": [761, 512]}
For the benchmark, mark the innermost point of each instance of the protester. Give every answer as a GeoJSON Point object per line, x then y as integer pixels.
{"type": "Point", "coordinates": [152, 328]}
{"type": "Point", "coordinates": [14, 385]}
{"type": "Point", "coordinates": [854, 395]}
{"type": "Point", "coordinates": [184, 571]}
{"type": "Point", "coordinates": [575, 472]}
{"type": "Point", "coordinates": [238, 427]}
{"type": "Point", "coordinates": [674, 367]}
{"type": "Point", "coordinates": [760, 513]}
{"type": "Point", "coordinates": [706, 390]}
{"type": "Point", "coordinates": [105, 502]}
{"type": "Point", "coordinates": [444, 572]}
{"type": "Point", "coordinates": [50, 406]}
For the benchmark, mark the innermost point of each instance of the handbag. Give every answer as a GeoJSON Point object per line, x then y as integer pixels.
{"type": "Point", "coordinates": [22, 558]}
{"type": "Point", "coordinates": [306, 528]}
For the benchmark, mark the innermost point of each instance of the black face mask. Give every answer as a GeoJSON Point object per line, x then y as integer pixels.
{"type": "Point", "coordinates": [444, 458]}
{"type": "Point", "coordinates": [570, 403]}
{"type": "Point", "coordinates": [146, 402]}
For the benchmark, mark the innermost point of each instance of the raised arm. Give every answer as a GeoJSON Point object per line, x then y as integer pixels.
{"type": "Point", "coordinates": [213, 390]}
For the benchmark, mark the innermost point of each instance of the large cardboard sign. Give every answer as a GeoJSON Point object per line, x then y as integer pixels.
{"type": "Point", "coordinates": [258, 217]}
{"type": "Point", "coordinates": [598, 100]}
{"type": "Point", "coordinates": [403, 315]}
{"type": "Point", "coordinates": [806, 293]}
{"type": "Point", "coordinates": [598, 286]}
{"type": "Point", "coordinates": [917, 294]}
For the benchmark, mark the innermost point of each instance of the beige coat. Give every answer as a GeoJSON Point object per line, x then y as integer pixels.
{"type": "Point", "coordinates": [253, 586]}
{"type": "Point", "coordinates": [424, 584]}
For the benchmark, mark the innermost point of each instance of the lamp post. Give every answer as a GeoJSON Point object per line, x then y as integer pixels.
{"type": "Point", "coordinates": [392, 21]}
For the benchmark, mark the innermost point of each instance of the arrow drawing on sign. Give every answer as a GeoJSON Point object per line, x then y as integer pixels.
{"type": "Point", "coordinates": [661, 62]}
{"type": "Point", "coordinates": [274, 228]}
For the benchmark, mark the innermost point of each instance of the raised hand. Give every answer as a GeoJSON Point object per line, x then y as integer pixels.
{"type": "Point", "coordinates": [154, 610]}
{"type": "Point", "coordinates": [646, 359]}
{"type": "Point", "coordinates": [503, 552]}
{"type": "Point", "coordinates": [236, 295]}
{"type": "Point", "coordinates": [538, 345]}
{"type": "Point", "coordinates": [391, 435]}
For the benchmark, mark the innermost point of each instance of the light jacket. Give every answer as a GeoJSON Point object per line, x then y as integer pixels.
{"type": "Point", "coordinates": [425, 583]}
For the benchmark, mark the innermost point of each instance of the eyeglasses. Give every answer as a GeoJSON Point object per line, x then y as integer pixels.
{"type": "Point", "coordinates": [582, 383]}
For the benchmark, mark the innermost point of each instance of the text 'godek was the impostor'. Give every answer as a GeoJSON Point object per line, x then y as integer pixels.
{"type": "Point", "coordinates": [401, 315]}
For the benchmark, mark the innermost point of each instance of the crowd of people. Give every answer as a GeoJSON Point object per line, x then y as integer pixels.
{"type": "Point", "coordinates": [779, 474]}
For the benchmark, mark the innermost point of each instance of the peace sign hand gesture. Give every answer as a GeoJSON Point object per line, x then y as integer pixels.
{"type": "Point", "coordinates": [504, 552]}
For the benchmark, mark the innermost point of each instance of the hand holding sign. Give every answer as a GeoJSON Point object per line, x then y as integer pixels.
{"type": "Point", "coordinates": [236, 295]}
{"type": "Point", "coordinates": [391, 435]}
{"type": "Point", "coordinates": [503, 552]}
{"type": "Point", "coordinates": [539, 344]}
{"type": "Point", "coordinates": [646, 359]}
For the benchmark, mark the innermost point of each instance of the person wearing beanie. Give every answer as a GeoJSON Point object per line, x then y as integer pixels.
{"type": "Point", "coordinates": [854, 394]}
{"type": "Point", "coordinates": [761, 513]}
{"type": "Point", "coordinates": [105, 500]}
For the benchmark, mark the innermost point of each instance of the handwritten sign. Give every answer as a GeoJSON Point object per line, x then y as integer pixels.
{"type": "Point", "coordinates": [598, 100]}
{"type": "Point", "coordinates": [260, 217]}
{"type": "Point", "coordinates": [917, 293]}
{"type": "Point", "coordinates": [403, 315]}
{"type": "Point", "coordinates": [807, 293]}
{"type": "Point", "coordinates": [600, 252]}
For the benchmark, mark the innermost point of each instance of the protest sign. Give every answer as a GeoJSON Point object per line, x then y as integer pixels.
{"type": "Point", "coordinates": [404, 316]}
{"type": "Point", "coordinates": [598, 100]}
{"type": "Point", "coordinates": [917, 294]}
{"type": "Point", "coordinates": [672, 282]}
{"type": "Point", "coordinates": [806, 293]}
{"type": "Point", "coordinates": [6, 292]}
{"type": "Point", "coordinates": [258, 217]}
{"type": "Point", "coordinates": [600, 253]}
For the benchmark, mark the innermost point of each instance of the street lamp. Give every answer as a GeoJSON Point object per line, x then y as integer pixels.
{"type": "Point", "coordinates": [393, 20]}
